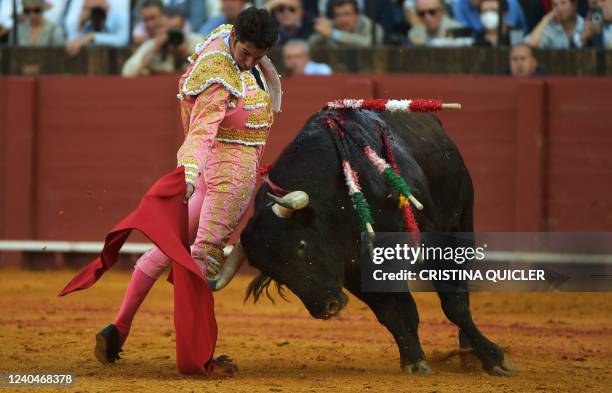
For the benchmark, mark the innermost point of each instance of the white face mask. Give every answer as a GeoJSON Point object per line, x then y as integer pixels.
{"type": "Point", "coordinates": [490, 20]}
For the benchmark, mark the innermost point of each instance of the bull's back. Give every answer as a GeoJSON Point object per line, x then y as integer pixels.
{"type": "Point", "coordinates": [427, 158]}
{"type": "Point", "coordinates": [447, 180]}
{"type": "Point", "coordinates": [426, 140]}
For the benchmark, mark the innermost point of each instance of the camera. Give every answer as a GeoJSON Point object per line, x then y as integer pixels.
{"type": "Point", "coordinates": [97, 16]}
{"type": "Point", "coordinates": [175, 37]}
{"type": "Point", "coordinates": [597, 15]}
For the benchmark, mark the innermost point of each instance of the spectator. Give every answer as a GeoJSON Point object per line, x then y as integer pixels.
{"type": "Point", "coordinates": [535, 10]}
{"type": "Point", "coordinates": [100, 22]}
{"type": "Point", "coordinates": [152, 21]}
{"type": "Point", "coordinates": [292, 22]}
{"type": "Point", "coordinates": [196, 13]}
{"type": "Point", "coordinates": [433, 22]}
{"type": "Point", "coordinates": [165, 53]}
{"type": "Point", "coordinates": [388, 13]}
{"type": "Point", "coordinates": [597, 31]}
{"type": "Point", "coordinates": [347, 29]}
{"type": "Point", "coordinates": [489, 17]}
{"type": "Point", "coordinates": [560, 29]}
{"type": "Point", "coordinates": [296, 60]}
{"type": "Point", "coordinates": [34, 29]}
{"type": "Point", "coordinates": [410, 10]}
{"type": "Point", "coordinates": [392, 18]}
{"type": "Point", "coordinates": [53, 12]}
{"type": "Point", "coordinates": [522, 62]}
{"type": "Point", "coordinates": [317, 8]}
{"type": "Point", "coordinates": [229, 11]}
{"type": "Point", "coordinates": [467, 12]}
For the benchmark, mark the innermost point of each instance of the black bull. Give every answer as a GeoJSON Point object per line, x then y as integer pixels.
{"type": "Point", "coordinates": [315, 251]}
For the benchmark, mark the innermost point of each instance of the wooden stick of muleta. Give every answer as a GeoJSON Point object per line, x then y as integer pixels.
{"type": "Point", "coordinates": [385, 105]}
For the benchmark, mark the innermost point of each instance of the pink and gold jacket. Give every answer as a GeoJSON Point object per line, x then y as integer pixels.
{"type": "Point", "coordinates": [219, 101]}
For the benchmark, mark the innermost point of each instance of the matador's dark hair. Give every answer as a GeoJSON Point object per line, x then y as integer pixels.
{"type": "Point", "coordinates": [256, 26]}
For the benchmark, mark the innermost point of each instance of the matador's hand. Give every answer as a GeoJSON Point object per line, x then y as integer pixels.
{"type": "Point", "coordinates": [188, 192]}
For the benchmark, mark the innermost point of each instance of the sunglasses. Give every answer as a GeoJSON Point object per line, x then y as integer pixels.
{"type": "Point", "coordinates": [36, 10]}
{"type": "Point", "coordinates": [284, 7]}
{"type": "Point", "coordinates": [430, 12]}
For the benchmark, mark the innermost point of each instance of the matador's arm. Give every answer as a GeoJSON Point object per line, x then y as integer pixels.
{"type": "Point", "coordinates": [208, 112]}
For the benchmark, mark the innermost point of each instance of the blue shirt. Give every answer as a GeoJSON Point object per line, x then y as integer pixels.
{"type": "Point", "coordinates": [607, 37]}
{"type": "Point", "coordinates": [212, 23]}
{"type": "Point", "coordinates": [195, 11]}
{"type": "Point", "coordinates": [313, 68]}
{"type": "Point", "coordinates": [468, 15]}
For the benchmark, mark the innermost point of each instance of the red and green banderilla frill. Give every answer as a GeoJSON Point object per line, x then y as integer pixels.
{"type": "Point", "coordinates": [389, 170]}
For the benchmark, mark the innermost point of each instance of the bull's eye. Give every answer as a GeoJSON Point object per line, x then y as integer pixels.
{"type": "Point", "coordinates": [302, 245]}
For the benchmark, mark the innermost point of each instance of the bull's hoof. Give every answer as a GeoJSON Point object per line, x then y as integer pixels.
{"type": "Point", "coordinates": [505, 369]}
{"type": "Point", "coordinates": [420, 367]}
{"type": "Point", "coordinates": [108, 345]}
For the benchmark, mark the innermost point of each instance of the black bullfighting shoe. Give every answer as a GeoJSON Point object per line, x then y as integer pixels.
{"type": "Point", "coordinates": [108, 345]}
{"type": "Point", "coordinates": [223, 367]}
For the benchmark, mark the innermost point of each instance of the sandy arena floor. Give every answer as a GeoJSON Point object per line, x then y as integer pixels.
{"type": "Point", "coordinates": [560, 342]}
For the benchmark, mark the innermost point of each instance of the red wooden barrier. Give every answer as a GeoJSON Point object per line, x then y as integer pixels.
{"type": "Point", "coordinates": [18, 151]}
{"type": "Point", "coordinates": [579, 155]}
{"type": "Point", "coordinates": [78, 152]}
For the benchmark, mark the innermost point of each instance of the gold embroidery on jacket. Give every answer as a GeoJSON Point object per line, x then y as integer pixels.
{"type": "Point", "coordinates": [258, 119]}
{"type": "Point", "coordinates": [214, 67]}
{"type": "Point", "coordinates": [254, 137]}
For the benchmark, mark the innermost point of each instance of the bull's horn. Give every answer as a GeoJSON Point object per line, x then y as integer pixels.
{"type": "Point", "coordinates": [291, 202]}
{"type": "Point", "coordinates": [232, 264]}
{"type": "Point", "coordinates": [295, 200]}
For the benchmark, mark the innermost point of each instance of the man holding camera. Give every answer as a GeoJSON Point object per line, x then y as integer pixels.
{"type": "Point", "coordinates": [598, 25]}
{"type": "Point", "coordinates": [165, 53]}
{"type": "Point", "coordinates": [98, 22]}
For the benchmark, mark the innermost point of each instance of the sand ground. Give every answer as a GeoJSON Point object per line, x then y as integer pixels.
{"type": "Point", "coordinates": [560, 342]}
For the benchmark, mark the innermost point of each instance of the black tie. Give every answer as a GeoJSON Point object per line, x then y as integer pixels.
{"type": "Point", "coordinates": [257, 76]}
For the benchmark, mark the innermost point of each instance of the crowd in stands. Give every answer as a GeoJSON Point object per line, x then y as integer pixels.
{"type": "Point", "coordinates": [165, 32]}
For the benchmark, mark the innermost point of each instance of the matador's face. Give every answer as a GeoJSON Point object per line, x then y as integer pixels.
{"type": "Point", "coordinates": [245, 54]}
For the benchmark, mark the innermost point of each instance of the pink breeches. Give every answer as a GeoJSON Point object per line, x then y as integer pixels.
{"type": "Point", "coordinates": [221, 198]}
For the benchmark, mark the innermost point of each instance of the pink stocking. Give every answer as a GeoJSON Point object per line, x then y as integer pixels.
{"type": "Point", "coordinates": [137, 290]}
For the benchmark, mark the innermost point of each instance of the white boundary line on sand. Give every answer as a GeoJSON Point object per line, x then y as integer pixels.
{"type": "Point", "coordinates": [139, 248]}
{"type": "Point", "coordinates": [73, 247]}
